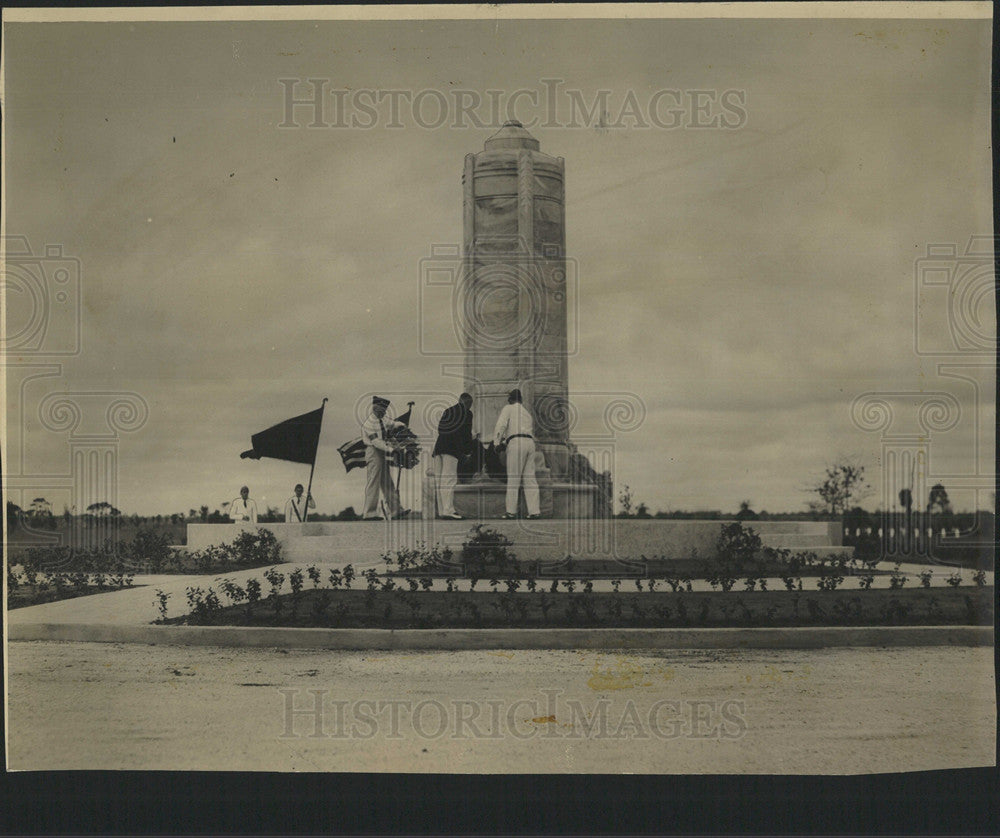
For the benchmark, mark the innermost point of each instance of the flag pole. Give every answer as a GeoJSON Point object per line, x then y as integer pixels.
{"type": "Point", "coordinates": [399, 467]}
{"type": "Point", "coordinates": [305, 511]}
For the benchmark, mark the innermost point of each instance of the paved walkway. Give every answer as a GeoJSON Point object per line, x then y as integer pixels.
{"type": "Point", "coordinates": [124, 706]}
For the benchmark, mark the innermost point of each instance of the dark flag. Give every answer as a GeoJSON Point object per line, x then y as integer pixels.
{"type": "Point", "coordinates": [353, 454]}
{"type": "Point", "coordinates": [405, 418]}
{"type": "Point", "coordinates": [295, 439]}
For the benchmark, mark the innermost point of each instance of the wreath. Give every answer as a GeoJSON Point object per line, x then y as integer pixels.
{"type": "Point", "coordinates": [407, 452]}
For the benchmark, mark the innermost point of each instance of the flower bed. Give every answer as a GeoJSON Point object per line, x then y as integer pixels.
{"type": "Point", "coordinates": [32, 588]}
{"type": "Point", "coordinates": [397, 608]}
{"type": "Point", "coordinates": [149, 552]}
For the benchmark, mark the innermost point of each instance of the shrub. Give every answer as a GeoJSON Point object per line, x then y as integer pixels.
{"type": "Point", "coordinates": [830, 576]}
{"type": "Point", "coordinates": [256, 548]}
{"type": "Point", "coordinates": [487, 550]}
{"type": "Point", "coordinates": [253, 593]}
{"type": "Point", "coordinates": [897, 579]}
{"type": "Point", "coordinates": [737, 545]}
{"type": "Point", "coordinates": [735, 550]}
{"type": "Point", "coordinates": [161, 604]}
{"type": "Point", "coordinates": [149, 546]}
{"type": "Point", "coordinates": [235, 592]}
{"type": "Point", "coordinates": [275, 580]}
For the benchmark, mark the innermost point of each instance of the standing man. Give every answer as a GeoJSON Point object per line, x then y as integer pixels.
{"type": "Point", "coordinates": [377, 450]}
{"type": "Point", "coordinates": [453, 443]}
{"type": "Point", "coordinates": [295, 508]}
{"type": "Point", "coordinates": [514, 430]}
{"type": "Point", "coordinates": [243, 510]}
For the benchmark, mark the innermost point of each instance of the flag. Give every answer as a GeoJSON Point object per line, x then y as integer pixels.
{"type": "Point", "coordinates": [353, 454]}
{"type": "Point", "coordinates": [405, 418]}
{"type": "Point", "coordinates": [295, 439]}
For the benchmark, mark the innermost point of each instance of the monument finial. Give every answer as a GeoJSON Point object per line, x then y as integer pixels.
{"type": "Point", "coordinates": [512, 135]}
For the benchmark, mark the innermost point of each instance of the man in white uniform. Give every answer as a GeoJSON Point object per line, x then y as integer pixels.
{"type": "Point", "coordinates": [243, 510]}
{"type": "Point", "coordinates": [295, 508]}
{"type": "Point", "coordinates": [514, 429]}
{"type": "Point", "coordinates": [377, 450]}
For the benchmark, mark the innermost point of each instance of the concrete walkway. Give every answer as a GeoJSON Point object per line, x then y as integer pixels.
{"type": "Point", "coordinates": [108, 706]}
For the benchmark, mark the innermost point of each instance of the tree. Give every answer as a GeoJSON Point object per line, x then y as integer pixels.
{"type": "Point", "coordinates": [844, 482]}
{"type": "Point", "coordinates": [40, 508]}
{"type": "Point", "coordinates": [938, 501]}
{"type": "Point", "coordinates": [103, 509]}
{"type": "Point", "coordinates": [626, 500]}
{"type": "Point", "coordinates": [271, 515]}
{"type": "Point", "coordinates": [14, 513]}
{"type": "Point", "coordinates": [745, 513]}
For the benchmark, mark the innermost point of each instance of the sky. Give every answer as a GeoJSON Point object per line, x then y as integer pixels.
{"type": "Point", "coordinates": [744, 284]}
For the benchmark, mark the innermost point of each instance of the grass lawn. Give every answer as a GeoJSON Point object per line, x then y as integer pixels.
{"type": "Point", "coordinates": [396, 609]}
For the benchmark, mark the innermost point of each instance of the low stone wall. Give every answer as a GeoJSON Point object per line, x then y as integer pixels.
{"type": "Point", "coordinates": [363, 542]}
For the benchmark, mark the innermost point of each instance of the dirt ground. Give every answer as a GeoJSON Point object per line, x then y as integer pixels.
{"type": "Point", "coordinates": [111, 706]}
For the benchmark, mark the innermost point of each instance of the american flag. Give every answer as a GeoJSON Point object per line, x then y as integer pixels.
{"type": "Point", "coordinates": [353, 453]}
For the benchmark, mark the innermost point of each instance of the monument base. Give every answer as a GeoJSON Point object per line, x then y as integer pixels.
{"type": "Point", "coordinates": [485, 498]}
{"type": "Point", "coordinates": [601, 541]}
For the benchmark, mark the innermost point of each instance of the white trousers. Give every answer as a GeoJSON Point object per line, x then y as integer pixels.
{"type": "Point", "coordinates": [447, 469]}
{"type": "Point", "coordinates": [521, 470]}
{"type": "Point", "coordinates": [379, 480]}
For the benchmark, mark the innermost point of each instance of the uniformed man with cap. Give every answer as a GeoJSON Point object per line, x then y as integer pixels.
{"type": "Point", "coordinates": [377, 451]}
{"type": "Point", "coordinates": [296, 506]}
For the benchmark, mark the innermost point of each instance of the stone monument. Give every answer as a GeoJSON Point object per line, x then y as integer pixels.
{"type": "Point", "coordinates": [512, 318]}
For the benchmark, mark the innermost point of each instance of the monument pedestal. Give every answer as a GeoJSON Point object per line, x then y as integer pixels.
{"type": "Point", "coordinates": [484, 497]}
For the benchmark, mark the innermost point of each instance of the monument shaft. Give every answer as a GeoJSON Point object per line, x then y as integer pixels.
{"type": "Point", "coordinates": [514, 290]}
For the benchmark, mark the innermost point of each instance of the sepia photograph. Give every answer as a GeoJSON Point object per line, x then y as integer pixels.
{"type": "Point", "coordinates": [495, 390]}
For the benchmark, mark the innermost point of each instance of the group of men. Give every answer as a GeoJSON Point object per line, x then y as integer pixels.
{"type": "Point", "coordinates": [513, 432]}
{"type": "Point", "coordinates": [243, 510]}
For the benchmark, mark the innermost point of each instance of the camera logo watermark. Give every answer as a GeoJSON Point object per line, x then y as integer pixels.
{"type": "Point", "coordinates": [41, 293]}
{"type": "Point", "coordinates": [319, 103]}
{"type": "Point", "coordinates": [503, 298]}
{"type": "Point", "coordinates": [955, 325]}
{"type": "Point", "coordinates": [42, 296]}
{"type": "Point", "coordinates": [954, 300]}
{"type": "Point", "coordinates": [318, 714]}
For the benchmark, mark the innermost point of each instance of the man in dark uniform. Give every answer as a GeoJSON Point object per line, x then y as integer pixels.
{"type": "Point", "coordinates": [453, 443]}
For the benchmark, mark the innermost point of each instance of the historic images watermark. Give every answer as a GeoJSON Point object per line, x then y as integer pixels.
{"type": "Point", "coordinates": [318, 103]}
{"type": "Point", "coordinates": [42, 294]}
{"type": "Point", "coordinates": [318, 714]}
